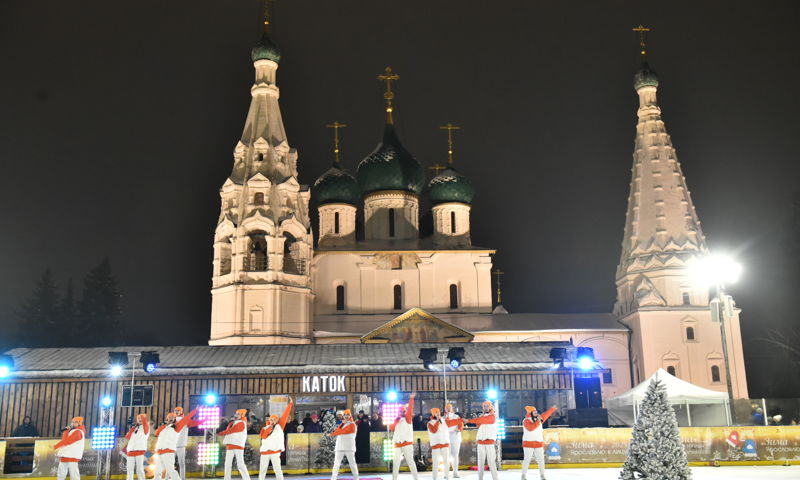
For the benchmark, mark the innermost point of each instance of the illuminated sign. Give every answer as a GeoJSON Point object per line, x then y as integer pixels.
{"type": "Point", "coordinates": [324, 383]}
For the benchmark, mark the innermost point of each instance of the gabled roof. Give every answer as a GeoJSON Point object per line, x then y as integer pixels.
{"type": "Point", "coordinates": [419, 323]}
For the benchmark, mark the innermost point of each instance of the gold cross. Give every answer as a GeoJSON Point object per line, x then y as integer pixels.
{"type": "Point", "coordinates": [450, 127]}
{"type": "Point", "coordinates": [266, 15]}
{"type": "Point", "coordinates": [497, 274]}
{"type": "Point", "coordinates": [336, 126]}
{"type": "Point", "coordinates": [388, 76]}
{"type": "Point", "coordinates": [437, 168]}
{"type": "Point", "coordinates": [642, 30]}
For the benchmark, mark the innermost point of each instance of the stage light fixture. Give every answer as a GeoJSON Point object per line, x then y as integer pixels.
{"type": "Point", "coordinates": [208, 453]}
{"type": "Point", "coordinates": [390, 411]}
{"type": "Point", "coordinates": [585, 358]}
{"type": "Point", "coordinates": [116, 370]}
{"type": "Point", "coordinates": [150, 361]}
{"type": "Point", "coordinates": [491, 394]}
{"type": "Point", "coordinates": [104, 437]}
{"type": "Point", "coordinates": [428, 357]}
{"type": "Point", "coordinates": [208, 417]}
{"type": "Point", "coordinates": [6, 365]}
{"type": "Point", "coordinates": [388, 450]}
{"type": "Point", "coordinates": [106, 401]}
{"type": "Point", "coordinates": [456, 357]}
{"type": "Point", "coordinates": [558, 354]}
{"type": "Point", "coordinates": [391, 395]}
{"type": "Point", "coordinates": [210, 399]}
{"type": "Point", "coordinates": [501, 429]}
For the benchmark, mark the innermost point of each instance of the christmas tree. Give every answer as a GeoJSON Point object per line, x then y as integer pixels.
{"type": "Point", "coordinates": [325, 452]}
{"type": "Point", "coordinates": [656, 450]}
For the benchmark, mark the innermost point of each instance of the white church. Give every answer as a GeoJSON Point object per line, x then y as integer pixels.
{"type": "Point", "coordinates": [372, 278]}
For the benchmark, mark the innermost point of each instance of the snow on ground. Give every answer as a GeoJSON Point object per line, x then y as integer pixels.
{"type": "Point", "coordinates": [698, 473]}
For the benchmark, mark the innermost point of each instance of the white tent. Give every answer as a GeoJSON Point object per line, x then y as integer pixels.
{"type": "Point", "coordinates": [694, 406]}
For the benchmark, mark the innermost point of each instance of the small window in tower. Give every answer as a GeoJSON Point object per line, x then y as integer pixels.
{"type": "Point", "coordinates": [715, 373]}
{"type": "Point", "coordinates": [453, 295]}
{"type": "Point", "coordinates": [340, 298]}
{"type": "Point", "coordinates": [607, 377]}
{"type": "Point", "coordinates": [336, 223]}
{"type": "Point", "coordinates": [391, 222]}
{"type": "Point", "coordinates": [398, 297]}
{"type": "Point", "coordinates": [258, 199]}
{"type": "Point", "coordinates": [689, 333]}
{"type": "Point", "coordinates": [452, 222]}
{"type": "Point", "coordinates": [671, 371]}
{"type": "Point", "coordinates": [260, 157]}
{"type": "Point", "coordinates": [686, 299]}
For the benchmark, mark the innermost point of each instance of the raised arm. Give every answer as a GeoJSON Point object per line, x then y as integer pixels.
{"type": "Point", "coordinates": [410, 408]}
{"type": "Point", "coordinates": [455, 421]}
{"type": "Point", "coordinates": [482, 420]}
{"type": "Point", "coordinates": [186, 421]}
{"type": "Point", "coordinates": [343, 429]}
{"type": "Point", "coordinates": [548, 413]}
{"type": "Point", "coordinates": [233, 427]}
{"type": "Point", "coordinates": [285, 415]}
{"type": "Point", "coordinates": [160, 429]}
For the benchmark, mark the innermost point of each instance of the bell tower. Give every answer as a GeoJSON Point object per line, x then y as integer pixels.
{"type": "Point", "coordinates": [261, 288]}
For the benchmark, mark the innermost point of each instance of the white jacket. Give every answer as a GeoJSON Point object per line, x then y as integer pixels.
{"type": "Point", "coordinates": [346, 437]}
{"type": "Point", "coordinates": [454, 430]}
{"type": "Point", "coordinates": [183, 435]}
{"type": "Point", "coordinates": [274, 442]}
{"type": "Point", "coordinates": [167, 438]}
{"type": "Point", "coordinates": [236, 438]}
{"type": "Point", "coordinates": [403, 433]}
{"type": "Point", "coordinates": [441, 437]}
{"type": "Point", "coordinates": [487, 432]}
{"type": "Point", "coordinates": [73, 450]}
{"type": "Point", "coordinates": [138, 440]}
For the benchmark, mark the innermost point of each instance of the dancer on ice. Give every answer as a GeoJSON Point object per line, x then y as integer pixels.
{"type": "Point", "coordinates": [167, 444]}
{"type": "Point", "coordinates": [70, 450]}
{"type": "Point", "coordinates": [345, 435]}
{"type": "Point", "coordinates": [439, 438]}
{"type": "Point", "coordinates": [273, 443]}
{"type": "Point", "coordinates": [533, 438]}
{"type": "Point", "coordinates": [137, 446]}
{"type": "Point", "coordinates": [183, 439]}
{"type": "Point", "coordinates": [487, 432]}
{"type": "Point", "coordinates": [455, 424]}
{"type": "Point", "coordinates": [403, 439]}
{"type": "Point", "coordinates": [235, 438]}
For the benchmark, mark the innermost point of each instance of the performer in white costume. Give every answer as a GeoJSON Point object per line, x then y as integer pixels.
{"type": "Point", "coordinates": [70, 450]}
{"type": "Point", "coordinates": [345, 435]}
{"type": "Point", "coordinates": [273, 444]}
{"type": "Point", "coordinates": [167, 443]}
{"type": "Point", "coordinates": [403, 439]}
{"type": "Point", "coordinates": [455, 424]}
{"type": "Point", "coordinates": [183, 439]}
{"type": "Point", "coordinates": [533, 439]}
{"type": "Point", "coordinates": [234, 441]}
{"type": "Point", "coordinates": [487, 432]}
{"type": "Point", "coordinates": [137, 446]}
{"type": "Point", "coordinates": [439, 438]}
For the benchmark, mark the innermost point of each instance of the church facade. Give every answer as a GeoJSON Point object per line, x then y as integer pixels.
{"type": "Point", "coordinates": [374, 278]}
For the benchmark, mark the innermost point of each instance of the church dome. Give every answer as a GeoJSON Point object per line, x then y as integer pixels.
{"type": "Point", "coordinates": [336, 186]}
{"type": "Point", "coordinates": [450, 186]}
{"type": "Point", "coordinates": [266, 50]}
{"type": "Point", "coordinates": [645, 77]}
{"type": "Point", "coordinates": [390, 167]}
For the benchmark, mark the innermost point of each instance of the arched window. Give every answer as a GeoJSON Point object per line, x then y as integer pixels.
{"type": "Point", "coordinates": [671, 370]}
{"type": "Point", "coordinates": [340, 298]}
{"type": "Point", "coordinates": [398, 297]}
{"type": "Point", "coordinates": [258, 199]}
{"type": "Point", "coordinates": [225, 257]}
{"type": "Point", "coordinates": [292, 257]}
{"type": "Point", "coordinates": [453, 295]}
{"type": "Point", "coordinates": [257, 259]}
{"type": "Point", "coordinates": [689, 333]}
{"type": "Point", "coordinates": [715, 373]}
{"type": "Point", "coordinates": [686, 299]}
{"type": "Point", "coordinates": [336, 223]}
{"type": "Point", "coordinates": [391, 222]}
{"type": "Point", "coordinates": [452, 222]}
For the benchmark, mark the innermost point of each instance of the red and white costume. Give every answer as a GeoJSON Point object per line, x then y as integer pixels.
{"type": "Point", "coordinates": [439, 438]}
{"type": "Point", "coordinates": [234, 441]}
{"type": "Point", "coordinates": [487, 432]}
{"type": "Point", "coordinates": [533, 440]}
{"type": "Point", "coordinates": [272, 444]}
{"type": "Point", "coordinates": [167, 444]}
{"type": "Point", "coordinates": [403, 440]}
{"type": "Point", "coordinates": [183, 439]}
{"type": "Point", "coordinates": [345, 435]}
{"type": "Point", "coordinates": [455, 424]}
{"type": "Point", "coordinates": [70, 451]}
{"type": "Point", "coordinates": [137, 446]}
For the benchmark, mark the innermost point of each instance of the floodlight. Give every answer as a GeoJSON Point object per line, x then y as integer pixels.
{"type": "Point", "coordinates": [211, 399]}
{"type": "Point", "coordinates": [6, 365]}
{"type": "Point", "coordinates": [558, 354]}
{"type": "Point", "coordinates": [149, 361]}
{"type": "Point", "coordinates": [491, 394]}
{"type": "Point", "coordinates": [456, 357]}
{"type": "Point", "coordinates": [391, 395]}
{"type": "Point", "coordinates": [428, 357]}
{"type": "Point", "coordinates": [501, 429]}
{"type": "Point", "coordinates": [585, 358]}
{"type": "Point", "coordinates": [208, 453]}
{"type": "Point", "coordinates": [391, 410]}
{"type": "Point", "coordinates": [106, 401]}
{"type": "Point", "coordinates": [104, 437]}
{"type": "Point", "coordinates": [208, 417]}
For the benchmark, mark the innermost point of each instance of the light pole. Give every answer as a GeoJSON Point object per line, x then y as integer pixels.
{"type": "Point", "coordinates": [716, 271]}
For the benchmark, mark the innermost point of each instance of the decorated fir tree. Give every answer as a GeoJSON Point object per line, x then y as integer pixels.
{"type": "Point", "coordinates": [325, 452]}
{"type": "Point", "coordinates": [656, 451]}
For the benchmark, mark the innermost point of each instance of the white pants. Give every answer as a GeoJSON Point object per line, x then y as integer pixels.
{"type": "Point", "coordinates": [180, 454]}
{"type": "Point", "coordinates": [526, 460]}
{"type": "Point", "coordinates": [135, 463]}
{"type": "Point", "coordinates": [166, 463]}
{"type": "Point", "coordinates": [406, 452]}
{"type": "Point", "coordinates": [440, 455]}
{"type": "Point", "coordinates": [455, 450]}
{"type": "Point", "coordinates": [239, 454]}
{"type": "Point", "coordinates": [351, 461]}
{"type": "Point", "coordinates": [71, 467]}
{"type": "Point", "coordinates": [263, 466]}
{"type": "Point", "coordinates": [487, 454]}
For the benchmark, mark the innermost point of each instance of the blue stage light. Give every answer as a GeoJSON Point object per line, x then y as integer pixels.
{"type": "Point", "coordinates": [491, 394]}
{"type": "Point", "coordinates": [6, 365]}
{"type": "Point", "coordinates": [391, 395]}
{"type": "Point", "coordinates": [106, 401]}
{"type": "Point", "coordinates": [211, 399]}
{"type": "Point", "coordinates": [104, 437]}
{"type": "Point", "coordinates": [585, 363]}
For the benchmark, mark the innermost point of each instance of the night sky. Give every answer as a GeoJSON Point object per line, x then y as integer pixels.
{"type": "Point", "coordinates": [117, 129]}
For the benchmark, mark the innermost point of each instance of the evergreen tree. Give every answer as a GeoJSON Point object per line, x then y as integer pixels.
{"type": "Point", "coordinates": [327, 444]}
{"type": "Point", "coordinates": [40, 314]}
{"type": "Point", "coordinates": [99, 310]}
{"type": "Point", "coordinates": [656, 451]}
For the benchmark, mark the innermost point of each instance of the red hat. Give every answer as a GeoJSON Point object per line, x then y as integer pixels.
{"type": "Point", "coordinates": [142, 417]}
{"type": "Point", "coordinates": [314, 417]}
{"type": "Point", "coordinates": [347, 412]}
{"type": "Point", "coordinates": [78, 420]}
{"type": "Point", "coordinates": [241, 413]}
{"type": "Point", "coordinates": [491, 405]}
{"type": "Point", "coordinates": [273, 417]}
{"type": "Point", "coordinates": [179, 410]}
{"type": "Point", "coordinates": [171, 416]}
{"type": "Point", "coordinates": [435, 411]}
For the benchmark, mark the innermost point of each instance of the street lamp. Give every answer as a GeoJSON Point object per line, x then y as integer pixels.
{"type": "Point", "coordinates": [717, 271]}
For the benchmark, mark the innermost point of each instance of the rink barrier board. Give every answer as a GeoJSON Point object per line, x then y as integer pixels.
{"type": "Point", "coordinates": [566, 448]}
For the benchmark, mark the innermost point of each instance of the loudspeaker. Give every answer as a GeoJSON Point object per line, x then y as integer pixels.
{"type": "Point", "coordinates": [587, 417]}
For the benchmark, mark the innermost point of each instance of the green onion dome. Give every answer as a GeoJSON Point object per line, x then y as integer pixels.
{"type": "Point", "coordinates": [336, 186]}
{"type": "Point", "coordinates": [450, 186]}
{"type": "Point", "coordinates": [390, 167]}
{"type": "Point", "coordinates": [266, 50]}
{"type": "Point", "coordinates": [645, 77]}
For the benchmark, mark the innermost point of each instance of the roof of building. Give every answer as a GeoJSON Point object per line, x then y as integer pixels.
{"type": "Point", "coordinates": [390, 167]}
{"type": "Point", "coordinates": [281, 359]}
{"type": "Point", "coordinates": [336, 186]}
{"type": "Point", "coordinates": [266, 50]}
{"type": "Point", "coordinates": [450, 186]}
